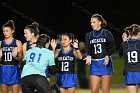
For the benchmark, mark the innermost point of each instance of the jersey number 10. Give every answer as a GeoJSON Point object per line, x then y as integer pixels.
{"type": "Point", "coordinates": [8, 56]}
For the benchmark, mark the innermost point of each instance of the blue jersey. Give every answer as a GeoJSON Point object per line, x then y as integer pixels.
{"type": "Point", "coordinates": [66, 61]}
{"type": "Point", "coordinates": [131, 51]}
{"type": "Point", "coordinates": [100, 43]}
{"type": "Point", "coordinates": [9, 71]}
{"type": "Point", "coordinates": [7, 58]}
{"type": "Point", "coordinates": [66, 77]}
{"type": "Point", "coordinates": [28, 46]}
{"type": "Point", "coordinates": [37, 60]}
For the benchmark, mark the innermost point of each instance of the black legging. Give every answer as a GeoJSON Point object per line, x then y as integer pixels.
{"type": "Point", "coordinates": [35, 82]}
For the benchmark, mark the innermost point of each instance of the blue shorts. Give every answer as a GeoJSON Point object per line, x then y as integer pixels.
{"type": "Point", "coordinates": [98, 68]}
{"type": "Point", "coordinates": [9, 75]}
{"type": "Point", "coordinates": [132, 78]}
{"type": "Point", "coordinates": [66, 80]}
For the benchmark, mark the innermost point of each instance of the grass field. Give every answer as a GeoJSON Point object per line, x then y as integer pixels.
{"type": "Point", "coordinates": [118, 64]}
{"type": "Point", "coordinates": [116, 79]}
{"type": "Point", "coordinates": [113, 90]}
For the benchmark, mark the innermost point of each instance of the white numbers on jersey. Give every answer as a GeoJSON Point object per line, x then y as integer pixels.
{"type": "Point", "coordinates": [65, 66]}
{"type": "Point", "coordinates": [97, 48]}
{"type": "Point", "coordinates": [132, 57]}
{"type": "Point", "coordinates": [8, 56]}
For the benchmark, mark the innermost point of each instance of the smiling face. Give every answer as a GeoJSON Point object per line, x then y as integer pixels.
{"type": "Point", "coordinates": [65, 41]}
{"type": "Point", "coordinates": [28, 35]}
{"type": "Point", "coordinates": [8, 32]}
{"type": "Point", "coordinates": [95, 23]}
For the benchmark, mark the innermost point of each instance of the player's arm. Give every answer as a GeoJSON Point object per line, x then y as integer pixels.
{"type": "Point", "coordinates": [88, 50]}
{"type": "Point", "coordinates": [110, 43]}
{"type": "Point", "coordinates": [53, 45]}
{"type": "Point", "coordinates": [0, 52]}
{"type": "Point", "coordinates": [19, 51]}
{"type": "Point", "coordinates": [121, 50]}
{"type": "Point", "coordinates": [78, 54]}
{"type": "Point", "coordinates": [56, 53]}
{"type": "Point", "coordinates": [52, 69]}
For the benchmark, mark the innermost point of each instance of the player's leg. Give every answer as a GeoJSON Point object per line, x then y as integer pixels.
{"type": "Point", "coordinates": [132, 89]}
{"type": "Point", "coordinates": [26, 89]}
{"type": "Point", "coordinates": [15, 78]}
{"type": "Point", "coordinates": [71, 90]}
{"type": "Point", "coordinates": [95, 83]}
{"type": "Point", "coordinates": [63, 90]}
{"type": "Point", "coordinates": [106, 83]}
{"type": "Point", "coordinates": [55, 88]}
{"type": "Point", "coordinates": [4, 88]}
{"type": "Point", "coordinates": [15, 88]}
{"type": "Point", "coordinates": [42, 84]}
{"type": "Point", "coordinates": [25, 85]}
{"type": "Point", "coordinates": [131, 80]}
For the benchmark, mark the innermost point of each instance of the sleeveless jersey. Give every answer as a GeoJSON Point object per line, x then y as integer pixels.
{"type": "Point", "coordinates": [131, 52]}
{"type": "Point", "coordinates": [7, 58]}
{"type": "Point", "coordinates": [66, 62]}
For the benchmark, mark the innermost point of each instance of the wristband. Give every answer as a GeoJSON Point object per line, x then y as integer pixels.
{"type": "Point", "coordinates": [76, 48]}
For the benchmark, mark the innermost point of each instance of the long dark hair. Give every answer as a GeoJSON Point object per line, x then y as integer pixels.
{"type": "Point", "coordinates": [42, 40]}
{"type": "Point", "coordinates": [133, 29]}
{"type": "Point", "coordinates": [100, 18]}
{"type": "Point", "coordinates": [10, 24]}
{"type": "Point", "coordinates": [33, 28]}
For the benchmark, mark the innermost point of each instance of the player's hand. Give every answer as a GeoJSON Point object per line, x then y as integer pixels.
{"type": "Point", "coordinates": [53, 43]}
{"type": "Point", "coordinates": [15, 52]}
{"type": "Point", "coordinates": [106, 60]}
{"type": "Point", "coordinates": [33, 45]}
{"type": "Point", "coordinates": [75, 43]}
{"type": "Point", "coordinates": [48, 79]}
{"type": "Point", "coordinates": [124, 37]}
{"type": "Point", "coordinates": [88, 60]}
{"type": "Point", "coordinates": [0, 53]}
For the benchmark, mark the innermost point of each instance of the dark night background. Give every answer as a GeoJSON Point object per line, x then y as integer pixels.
{"type": "Point", "coordinates": [68, 15]}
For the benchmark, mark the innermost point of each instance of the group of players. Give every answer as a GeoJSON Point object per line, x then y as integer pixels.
{"type": "Point", "coordinates": [39, 54]}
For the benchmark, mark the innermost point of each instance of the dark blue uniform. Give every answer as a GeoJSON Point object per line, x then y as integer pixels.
{"type": "Point", "coordinates": [131, 52]}
{"type": "Point", "coordinates": [66, 76]}
{"type": "Point", "coordinates": [100, 43]}
{"type": "Point", "coordinates": [9, 70]}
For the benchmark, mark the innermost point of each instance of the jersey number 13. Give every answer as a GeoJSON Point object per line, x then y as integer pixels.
{"type": "Point", "coordinates": [97, 48]}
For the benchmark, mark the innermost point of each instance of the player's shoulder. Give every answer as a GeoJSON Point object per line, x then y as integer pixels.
{"type": "Point", "coordinates": [46, 50]}
{"type": "Point", "coordinates": [88, 33]}
{"type": "Point", "coordinates": [106, 31]}
{"type": "Point", "coordinates": [18, 42]}
{"type": "Point", "coordinates": [87, 36]}
{"type": "Point", "coordinates": [138, 42]}
{"type": "Point", "coordinates": [124, 44]}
